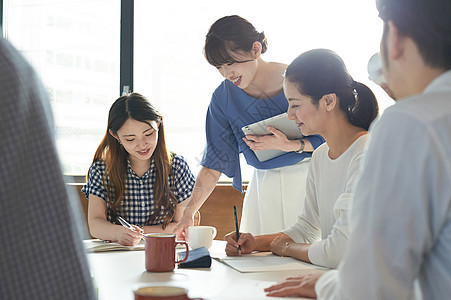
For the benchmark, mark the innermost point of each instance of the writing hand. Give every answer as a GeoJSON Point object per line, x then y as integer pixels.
{"type": "Point", "coordinates": [246, 241]}
{"type": "Point", "coordinates": [129, 236]}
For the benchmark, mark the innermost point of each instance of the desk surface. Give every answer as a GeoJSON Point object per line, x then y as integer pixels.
{"type": "Point", "coordinates": [117, 273]}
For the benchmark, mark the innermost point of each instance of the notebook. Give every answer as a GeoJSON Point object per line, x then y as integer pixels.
{"type": "Point", "coordinates": [265, 262]}
{"type": "Point", "coordinates": [96, 245]}
{"type": "Point", "coordinates": [280, 122]}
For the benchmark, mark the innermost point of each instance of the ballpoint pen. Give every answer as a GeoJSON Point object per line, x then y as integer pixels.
{"type": "Point", "coordinates": [236, 228]}
{"type": "Point", "coordinates": [127, 225]}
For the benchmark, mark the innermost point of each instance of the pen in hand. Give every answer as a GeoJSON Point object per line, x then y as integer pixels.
{"type": "Point", "coordinates": [237, 231]}
{"type": "Point", "coordinates": [127, 225]}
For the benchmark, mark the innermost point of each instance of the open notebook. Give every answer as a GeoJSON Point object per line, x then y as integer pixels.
{"type": "Point", "coordinates": [96, 245]}
{"type": "Point", "coordinates": [264, 262]}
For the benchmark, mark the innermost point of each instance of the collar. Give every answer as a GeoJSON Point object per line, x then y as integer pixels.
{"type": "Point", "coordinates": [146, 174]}
{"type": "Point", "coordinates": [441, 83]}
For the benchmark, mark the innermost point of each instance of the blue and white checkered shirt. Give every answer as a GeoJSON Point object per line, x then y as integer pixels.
{"type": "Point", "coordinates": [138, 203]}
{"type": "Point", "coordinates": [41, 252]}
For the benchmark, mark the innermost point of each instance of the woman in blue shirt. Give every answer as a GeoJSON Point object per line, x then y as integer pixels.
{"type": "Point", "coordinates": [134, 176]}
{"type": "Point", "coordinates": [251, 92]}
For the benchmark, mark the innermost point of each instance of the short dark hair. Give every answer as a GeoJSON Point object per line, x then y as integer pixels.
{"type": "Point", "coordinates": [320, 72]}
{"type": "Point", "coordinates": [426, 22]}
{"type": "Point", "coordinates": [231, 34]}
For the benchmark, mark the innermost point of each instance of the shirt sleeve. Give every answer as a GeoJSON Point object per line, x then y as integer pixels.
{"type": "Point", "coordinates": [221, 152]}
{"type": "Point", "coordinates": [307, 227]}
{"type": "Point", "coordinates": [95, 185]}
{"type": "Point", "coordinates": [330, 251]}
{"type": "Point", "coordinates": [328, 286]}
{"type": "Point", "coordinates": [184, 178]}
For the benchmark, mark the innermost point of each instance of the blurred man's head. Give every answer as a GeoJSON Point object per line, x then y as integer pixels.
{"type": "Point", "coordinates": [417, 35]}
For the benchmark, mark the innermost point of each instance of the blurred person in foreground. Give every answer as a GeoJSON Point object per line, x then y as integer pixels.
{"type": "Point", "coordinates": [400, 240]}
{"type": "Point", "coordinates": [41, 253]}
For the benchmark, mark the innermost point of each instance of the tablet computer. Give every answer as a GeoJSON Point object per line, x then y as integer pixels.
{"type": "Point", "coordinates": [280, 122]}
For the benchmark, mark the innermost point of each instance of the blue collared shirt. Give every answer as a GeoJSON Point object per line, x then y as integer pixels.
{"type": "Point", "coordinates": [230, 109]}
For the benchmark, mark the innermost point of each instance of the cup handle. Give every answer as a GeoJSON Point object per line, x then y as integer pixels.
{"type": "Point", "coordinates": [214, 232]}
{"type": "Point", "coordinates": [187, 251]}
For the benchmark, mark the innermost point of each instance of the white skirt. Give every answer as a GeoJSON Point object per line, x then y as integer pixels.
{"type": "Point", "coordinates": [274, 198]}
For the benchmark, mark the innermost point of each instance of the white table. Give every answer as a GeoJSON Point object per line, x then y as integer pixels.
{"type": "Point", "coordinates": [117, 273]}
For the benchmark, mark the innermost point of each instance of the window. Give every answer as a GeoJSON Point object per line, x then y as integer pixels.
{"type": "Point", "coordinates": [74, 45]}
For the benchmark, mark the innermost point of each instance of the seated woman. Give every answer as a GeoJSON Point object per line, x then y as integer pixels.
{"type": "Point", "coordinates": [134, 176]}
{"type": "Point", "coordinates": [323, 99]}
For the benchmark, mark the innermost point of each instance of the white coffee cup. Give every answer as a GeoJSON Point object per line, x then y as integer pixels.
{"type": "Point", "coordinates": [201, 236]}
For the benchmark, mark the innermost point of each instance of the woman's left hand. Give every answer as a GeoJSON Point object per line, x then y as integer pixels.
{"type": "Point", "coordinates": [276, 140]}
{"type": "Point", "coordinates": [299, 286]}
{"type": "Point", "coordinates": [279, 244]}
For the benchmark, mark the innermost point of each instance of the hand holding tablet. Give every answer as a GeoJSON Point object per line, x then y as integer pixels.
{"type": "Point", "coordinates": [279, 122]}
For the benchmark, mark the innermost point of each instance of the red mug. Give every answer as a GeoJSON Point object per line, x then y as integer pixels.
{"type": "Point", "coordinates": [160, 252]}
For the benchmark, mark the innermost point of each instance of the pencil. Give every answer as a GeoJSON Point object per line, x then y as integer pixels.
{"type": "Point", "coordinates": [236, 227]}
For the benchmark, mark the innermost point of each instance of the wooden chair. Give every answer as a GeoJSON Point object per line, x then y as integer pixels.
{"type": "Point", "coordinates": [217, 210]}
{"type": "Point", "coordinates": [83, 203]}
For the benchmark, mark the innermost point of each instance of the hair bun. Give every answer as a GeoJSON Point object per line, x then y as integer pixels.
{"type": "Point", "coordinates": [262, 39]}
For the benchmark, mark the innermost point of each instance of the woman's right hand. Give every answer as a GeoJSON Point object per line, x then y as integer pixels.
{"type": "Point", "coordinates": [246, 241]}
{"type": "Point", "coordinates": [181, 229]}
{"type": "Point", "coordinates": [128, 237]}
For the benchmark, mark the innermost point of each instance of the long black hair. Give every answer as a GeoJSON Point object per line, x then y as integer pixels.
{"type": "Point", "coordinates": [137, 107]}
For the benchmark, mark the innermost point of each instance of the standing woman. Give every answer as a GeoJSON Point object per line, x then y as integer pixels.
{"type": "Point", "coordinates": [134, 176]}
{"type": "Point", "coordinates": [252, 91]}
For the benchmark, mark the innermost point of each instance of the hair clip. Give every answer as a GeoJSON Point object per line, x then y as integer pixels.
{"type": "Point", "coordinates": [356, 95]}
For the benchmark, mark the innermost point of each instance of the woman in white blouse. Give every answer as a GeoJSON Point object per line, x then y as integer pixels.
{"type": "Point", "coordinates": [323, 99]}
